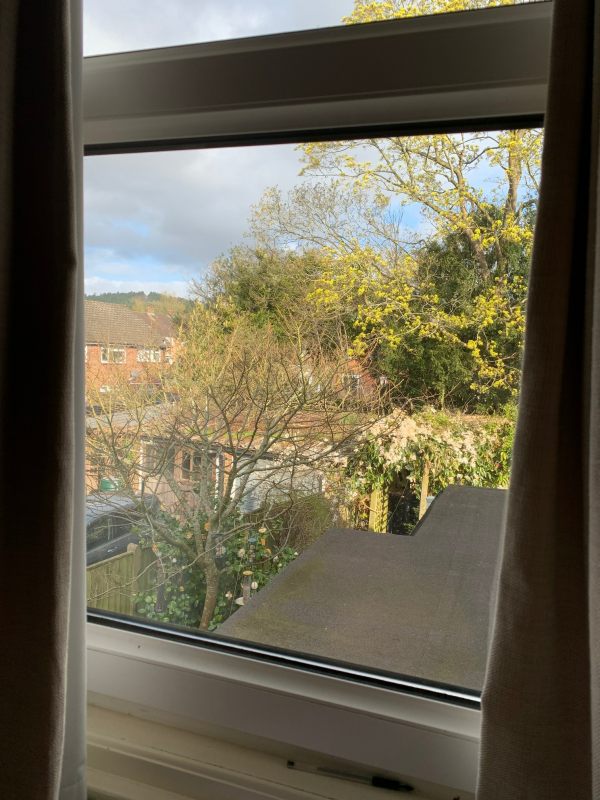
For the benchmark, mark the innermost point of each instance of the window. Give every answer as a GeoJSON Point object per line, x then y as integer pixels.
{"type": "Point", "coordinates": [151, 456]}
{"type": "Point", "coordinates": [147, 355]}
{"type": "Point", "coordinates": [112, 355]}
{"type": "Point", "coordinates": [191, 466]}
{"type": "Point", "coordinates": [99, 532]}
{"type": "Point", "coordinates": [273, 116]}
{"type": "Point", "coordinates": [352, 382]}
{"type": "Point", "coordinates": [329, 285]}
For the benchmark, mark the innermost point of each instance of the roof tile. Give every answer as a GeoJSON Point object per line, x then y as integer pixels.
{"type": "Point", "coordinates": [109, 323]}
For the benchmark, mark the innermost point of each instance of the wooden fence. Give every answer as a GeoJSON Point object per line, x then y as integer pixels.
{"type": "Point", "coordinates": [378, 510]}
{"type": "Point", "coordinates": [113, 585]}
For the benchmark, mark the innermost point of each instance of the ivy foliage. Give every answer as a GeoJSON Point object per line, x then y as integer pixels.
{"type": "Point", "coordinates": [454, 448]}
{"type": "Point", "coordinates": [178, 586]}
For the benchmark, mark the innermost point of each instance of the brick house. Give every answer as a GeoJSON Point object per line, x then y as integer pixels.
{"type": "Point", "coordinates": [121, 344]}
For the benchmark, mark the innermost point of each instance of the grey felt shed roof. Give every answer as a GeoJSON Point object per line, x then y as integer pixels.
{"type": "Point", "coordinates": [416, 605]}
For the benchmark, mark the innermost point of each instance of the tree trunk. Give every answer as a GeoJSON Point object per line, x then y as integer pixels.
{"type": "Point", "coordinates": [424, 490]}
{"type": "Point", "coordinates": [514, 172]}
{"type": "Point", "coordinates": [212, 591]}
{"type": "Point", "coordinates": [484, 269]}
{"type": "Point", "coordinates": [161, 601]}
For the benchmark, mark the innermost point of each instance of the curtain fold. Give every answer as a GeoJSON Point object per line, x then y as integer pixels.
{"type": "Point", "coordinates": [541, 714]}
{"type": "Point", "coordinates": [40, 402]}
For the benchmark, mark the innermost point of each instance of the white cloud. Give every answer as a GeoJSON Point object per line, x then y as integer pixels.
{"type": "Point", "coordinates": [116, 25]}
{"type": "Point", "coordinates": [164, 217]}
{"type": "Point", "coordinates": [175, 212]}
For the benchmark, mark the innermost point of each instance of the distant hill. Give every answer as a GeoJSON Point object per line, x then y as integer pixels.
{"type": "Point", "coordinates": [174, 307]}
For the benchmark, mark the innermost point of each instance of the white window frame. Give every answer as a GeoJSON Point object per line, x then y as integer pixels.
{"type": "Point", "coordinates": [149, 355]}
{"type": "Point", "coordinates": [189, 475]}
{"type": "Point", "coordinates": [227, 93]}
{"type": "Point", "coordinates": [107, 353]}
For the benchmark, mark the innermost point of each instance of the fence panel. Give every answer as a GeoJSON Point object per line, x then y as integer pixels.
{"type": "Point", "coordinates": [112, 585]}
{"type": "Point", "coordinates": [378, 510]}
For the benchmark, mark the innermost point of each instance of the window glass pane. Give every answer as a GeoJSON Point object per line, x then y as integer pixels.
{"type": "Point", "coordinates": [120, 527]}
{"type": "Point", "coordinates": [117, 25]}
{"type": "Point", "coordinates": [98, 532]}
{"type": "Point", "coordinates": [321, 464]}
{"type": "Point", "coordinates": [145, 355]}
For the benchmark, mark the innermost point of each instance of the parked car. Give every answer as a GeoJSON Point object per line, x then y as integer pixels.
{"type": "Point", "coordinates": [112, 522]}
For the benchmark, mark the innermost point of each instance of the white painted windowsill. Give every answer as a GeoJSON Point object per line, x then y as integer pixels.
{"type": "Point", "coordinates": [175, 699]}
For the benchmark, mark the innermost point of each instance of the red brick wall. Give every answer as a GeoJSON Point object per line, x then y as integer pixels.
{"type": "Point", "coordinates": [98, 374]}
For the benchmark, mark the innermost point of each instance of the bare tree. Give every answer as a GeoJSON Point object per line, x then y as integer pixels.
{"type": "Point", "coordinates": [247, 420]}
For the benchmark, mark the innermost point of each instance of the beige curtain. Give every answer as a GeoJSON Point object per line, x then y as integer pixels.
{"type": "Point", "coordinates": [541, 715]}
{"type": "Point", "coordinates": [40, 253]}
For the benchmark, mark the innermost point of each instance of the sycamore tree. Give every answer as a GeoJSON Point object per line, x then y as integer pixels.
{"type": "Point", "coordinates": [481, 185]}
{"type": "Point", "coordinates": [241, 433]}
{"type": "Point", "coordinates": [397, 220]}
{"type": "Point", "coordinates": [441, 329]}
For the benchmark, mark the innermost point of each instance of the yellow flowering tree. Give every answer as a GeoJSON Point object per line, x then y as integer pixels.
{"type": "Point", "coordinates": [379, 10]}
{"type": "Point", "coordinates": [475, 194]}
{"type": "Point", "coordinates": [480, 184]}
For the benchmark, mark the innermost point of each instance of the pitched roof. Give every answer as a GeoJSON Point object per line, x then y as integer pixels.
{"type": "Point", "coordinates": [415, 605]}
{"type": "Point", "coordinates": [109, 323]}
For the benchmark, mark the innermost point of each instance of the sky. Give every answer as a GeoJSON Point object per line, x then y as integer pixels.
{"type": "Point", "coordinates": [154, 221]}
{"type": "Point", "coordinates": [112, 26]}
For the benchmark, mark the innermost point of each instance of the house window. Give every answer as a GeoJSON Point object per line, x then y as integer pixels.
{"type": "Point", "coordinates": [112, 355]}
{"type": "Point", "coordinates": [148, 355]}
{"type": "Point", "coordinates": [98, 532]}
{"type": "Point", "coordinates": [191, 466]}
{"type": "Point", "coordinates": [203, 420]}
{"type": "Point", "coordinates": [352, 382]}
{"type": "Point", "coordinates": [156, 466]}
{"type": "Point", "coordinates": [151, 456]}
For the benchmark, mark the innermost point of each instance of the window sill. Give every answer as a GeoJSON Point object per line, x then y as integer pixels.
{"type": "Point", "coordinates": [134, 759]}
{"type": "Point", "coordinates": [281, 710]}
